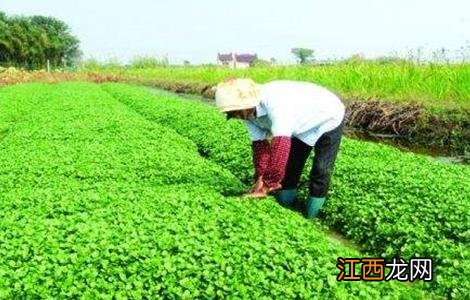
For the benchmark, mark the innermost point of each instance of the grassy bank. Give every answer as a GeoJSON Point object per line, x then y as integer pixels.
{"type": "Point", "coordinates": [444, 86]}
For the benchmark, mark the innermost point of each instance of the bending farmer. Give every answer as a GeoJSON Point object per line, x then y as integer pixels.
{"type": "Point", "coordinates": [299, 116]}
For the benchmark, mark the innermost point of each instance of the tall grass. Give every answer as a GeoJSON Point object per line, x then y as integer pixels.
{"type": "Point", "coordinates": [434, 85]}
{"type": "Point", "coordinates": [145, 62]}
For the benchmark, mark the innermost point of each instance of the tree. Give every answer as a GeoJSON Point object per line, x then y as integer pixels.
{"type": "Point", "coordinates": [29, 42]}
{"type": "Point", "coordinates": [304, 55]}
{"type": "Point", "coordinates": [6, 46]}
{"type": "Point", "coordinates": [63, 46]}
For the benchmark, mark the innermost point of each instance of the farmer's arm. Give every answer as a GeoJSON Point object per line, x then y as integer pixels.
{"type": "Point", "coordinates": [260, 147]}
{"type": "Point", "coordinates": [282, 128]}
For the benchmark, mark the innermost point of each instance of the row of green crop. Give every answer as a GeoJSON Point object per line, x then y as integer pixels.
{"type": "Point", "coordinates": [388, 202]}
{"type": "Point", "coordinates": [435, 86]}
{"type": "Point", "coordinates": [49, 127]}
{"type": "Point", "coordinates": [99, 202]}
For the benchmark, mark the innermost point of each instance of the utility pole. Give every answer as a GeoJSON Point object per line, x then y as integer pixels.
{"type": "Point", "coordinates": [48, 66]}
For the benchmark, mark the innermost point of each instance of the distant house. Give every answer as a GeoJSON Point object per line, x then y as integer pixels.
{"type": "Point", "coordinates": [236, 61]}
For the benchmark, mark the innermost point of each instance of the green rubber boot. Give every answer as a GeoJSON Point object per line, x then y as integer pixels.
{"type": "Point", "coordinates": [314, 204]}
{"type": "Point", "coordinates": [286, 197]}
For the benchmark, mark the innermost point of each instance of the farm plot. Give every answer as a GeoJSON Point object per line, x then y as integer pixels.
{"type": "Point", "coordinates": [389, 202]}
{"type": "Point", "coordinates": [100, 202]}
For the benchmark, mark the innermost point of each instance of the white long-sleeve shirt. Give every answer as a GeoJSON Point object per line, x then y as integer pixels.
{"type": "Point", "coordinates": [296, 109]}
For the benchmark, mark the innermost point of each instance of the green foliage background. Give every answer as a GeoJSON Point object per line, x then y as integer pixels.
{"type": "Point", "coordinates": [28, 42]}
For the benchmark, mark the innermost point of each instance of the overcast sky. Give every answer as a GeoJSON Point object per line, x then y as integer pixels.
{"type": "Point", "coordinates": [197, 30]}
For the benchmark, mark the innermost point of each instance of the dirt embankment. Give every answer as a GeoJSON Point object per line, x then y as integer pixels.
{"type": "Point", "coordinates": [10, 76]}
{"type": "Point", "coordinates": [412, 126]}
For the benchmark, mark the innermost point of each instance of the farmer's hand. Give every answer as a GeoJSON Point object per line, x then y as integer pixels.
{"type": "Point", "coordinates": [261, 193]}
{"type": "Point", "coordinates": [274, 188]}
{"type": "Point", "coordinates": [261, 190]}
{"type": "Point", "coordinates": [258, 185]}
{"type": "Point", "coordinates": [258, 190]}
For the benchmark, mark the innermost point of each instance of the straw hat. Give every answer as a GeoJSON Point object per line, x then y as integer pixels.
{"type": "Point", "coordinates": [237, 94]}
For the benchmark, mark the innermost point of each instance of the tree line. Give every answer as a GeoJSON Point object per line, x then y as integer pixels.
{"type": "Point", "coordinates": [31, 42]}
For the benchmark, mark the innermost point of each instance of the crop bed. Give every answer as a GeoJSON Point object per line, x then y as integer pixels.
{"type": "Point", "coordinates": [388, 202]}
{"type": "Point", "coordinates": [101, 201]}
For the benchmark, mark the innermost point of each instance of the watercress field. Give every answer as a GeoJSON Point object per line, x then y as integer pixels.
{"type": "Point", "coordinates": [112, 191]}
